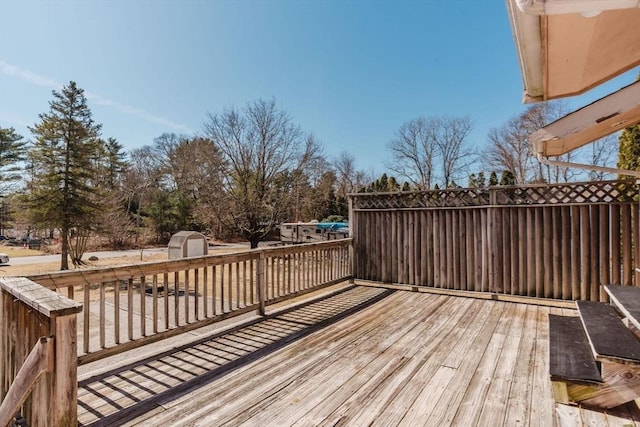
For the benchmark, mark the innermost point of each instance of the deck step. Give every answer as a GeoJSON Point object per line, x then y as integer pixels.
{"type": "Point", "coordinates": [627, 300]}
{"type": "Point", "coordinates": [610, 339]}
{"type": "Point", "coordinates": [570, 356]}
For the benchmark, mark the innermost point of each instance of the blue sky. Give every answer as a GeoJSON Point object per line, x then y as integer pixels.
{"type": "Point", "coordinates": [351, 72]}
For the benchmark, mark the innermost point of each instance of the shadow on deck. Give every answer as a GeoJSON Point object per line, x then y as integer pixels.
{"type": "Point", "coordinates": [121, 394]}
{"type": "Point", "coordinates": [361, 356]}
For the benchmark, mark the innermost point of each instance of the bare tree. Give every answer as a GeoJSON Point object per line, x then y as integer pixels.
{"type": "Point", "coordinates": [413, 151]}
{"type": "Point", "coordinates": [604, 152]}
{"type": "Point", "coordinates": [260, 146]}
{"type": "Point", "coordinates": [450, 137]}
{"type": "Point", "coordinates": [509, 147]}
{"type": "Point", "coordinates": [198, 171]}
{"type": "Point", "coordinates": [139, 183]}
{"type": "Point", "coordinates": [349, 178]}
{"type": "Point", "coordinates": [424, 150]}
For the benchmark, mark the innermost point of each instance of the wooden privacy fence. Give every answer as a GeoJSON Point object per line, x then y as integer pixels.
{"type": "Point", "coordinates": [551, 241]}
{"type": "Point", "coordinates": [129, 306]}
{"type": "Point", "coordinates": [38, 356]}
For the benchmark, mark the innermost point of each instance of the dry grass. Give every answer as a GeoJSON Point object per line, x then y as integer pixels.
{"type": "Point", "coordinates": [18, 251]}
{"type": "Point", "coordinates": [129, 259]}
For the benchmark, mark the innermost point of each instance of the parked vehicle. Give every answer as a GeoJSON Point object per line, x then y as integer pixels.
{"type": "Point", "coordinates": [307, 232]}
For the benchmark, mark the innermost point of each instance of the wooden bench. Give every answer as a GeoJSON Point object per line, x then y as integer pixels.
{"type": "Point", "coordinates": [594, 359]}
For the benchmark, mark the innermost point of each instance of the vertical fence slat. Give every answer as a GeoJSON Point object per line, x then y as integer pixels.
{"type": "Point", "coordinates": [567, 265]}
{"type": "Point", "coordinates": [605, 256]}
{"type": "Point", "coordinates": [627, 262]}
{"type": "Point", "coordinates": [522, 251]}
{"type": "Point", "coordinates": [539, 253]}
{"type": "Point", "coordinates": [586, 253]}
{"type": "Point", "coordinates": [635, 242]}
{"type": "Point", "coordinates": [556, 244]}
{"type": "Point", "coordinates": [615, 244]}
{"type": "Point", "coordinates": [576, 254]}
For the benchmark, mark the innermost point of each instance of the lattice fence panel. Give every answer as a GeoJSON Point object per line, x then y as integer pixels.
{"type": "Point", "coordinates": [556, 194]}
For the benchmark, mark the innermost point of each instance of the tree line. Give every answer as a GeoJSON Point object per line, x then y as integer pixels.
{"type": "Point", "coordinates": [250, 169]}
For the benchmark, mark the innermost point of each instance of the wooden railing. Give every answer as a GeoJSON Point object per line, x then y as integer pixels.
{"type": "Point", "coordinates": [129, 306]}
{"type": "Point", "coordinates": [38, 356]}
{"type": "Point", "coordinates": [546, 241]}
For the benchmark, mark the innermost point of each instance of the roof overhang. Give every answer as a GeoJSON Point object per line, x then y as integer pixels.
{"type": "Point", "coordinates": [594, 121]}
{"type": "Point", "coordinates": [567, 47]}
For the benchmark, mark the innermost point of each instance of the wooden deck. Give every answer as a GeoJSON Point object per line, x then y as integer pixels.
{"type": "Point", "coordinates": [365, 356]}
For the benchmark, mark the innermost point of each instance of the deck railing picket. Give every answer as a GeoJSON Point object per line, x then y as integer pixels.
{"type": "Point", "coordinates": [176, 298]}
{"type": "Point", "coordinates": [154, 292]}
{"type": "Point", "coordinates": [85, 320]}
{"type": "Point", "coordinates": [165, 291]}
{"type": "Point", "coordinates": [238, 285]}
{"type": "Point", "coordinates": [187, 292]}
{"type": "Point", "coordinates": [116, 311]}
{"type": "Point", "coordinates": [102, 315]}
{"type": "Point", "coordinates": [231, 287]}
{"type": "Point", "coordinates": [230, 284]}
{"type": "Point", "coordinates": [214, 293]}
{"type": "Point", "coordinates": [196, 291]}
{"type": "Point", "coordinates": [143, 306]}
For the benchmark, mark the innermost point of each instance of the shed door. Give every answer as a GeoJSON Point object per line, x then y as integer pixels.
{"type": "Point", "coordinates": [195, 247]}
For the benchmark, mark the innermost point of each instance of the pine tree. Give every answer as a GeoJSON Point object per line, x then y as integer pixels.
{"type": "Point", "coordinates": [481, 180]}
{"type": "Point", "coordinates": [393, 184]}
{"type": "Point", "coordinates": [63, 187]}
{"type": "Point", "coordinates": [12, 151]}
{"type": "Point", "coordinates": [493, 179]}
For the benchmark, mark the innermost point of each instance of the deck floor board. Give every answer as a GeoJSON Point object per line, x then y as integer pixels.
{"type": "Point", "coordinates": [363, 357]}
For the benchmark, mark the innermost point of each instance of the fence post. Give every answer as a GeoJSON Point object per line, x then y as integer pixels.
{"type": "Point", "coordinates": [261, 284]}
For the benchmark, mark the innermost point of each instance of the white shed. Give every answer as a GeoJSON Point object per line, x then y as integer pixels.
{"type": "Point", "coordinates": [185, 244]}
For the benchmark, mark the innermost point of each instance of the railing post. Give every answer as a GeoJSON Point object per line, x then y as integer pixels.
{"type": "Point", "coordinates": [30, 312]}
{"type": "Point", "coordinates": [261, 284]}
{"type": "Point", "coordinates": [352, 218]}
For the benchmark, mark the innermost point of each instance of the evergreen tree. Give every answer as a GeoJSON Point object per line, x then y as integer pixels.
{"type": "Point", "coordinates": [393, 184]}
{"type": "Point", "coordinates": [481, 181]}
{"type": "Point", "coordinates": [473, 181]}
{"type": "Point", "coordinates": [12, 151]}
{"type": "Point", "coordinates": [383, 182]}
{"type": "Point", "coordinates": [629, 149]}
{"type": "Point", "coordinates": [493, 179]}
{"type": "Point", "coordinates": [63, 187]}
{"type": "Point", "coordinates": [507, 178]}
{"type": "Point", "coordinates": [115, 222]}
{"type": "Point", "coordinates": [405, 186]}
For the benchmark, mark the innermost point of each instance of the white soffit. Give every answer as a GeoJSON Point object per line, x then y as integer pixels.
{"type": "Point", "coordinates": [594, 121]}
{"type": "Point", "coordinates": [563, 52]}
